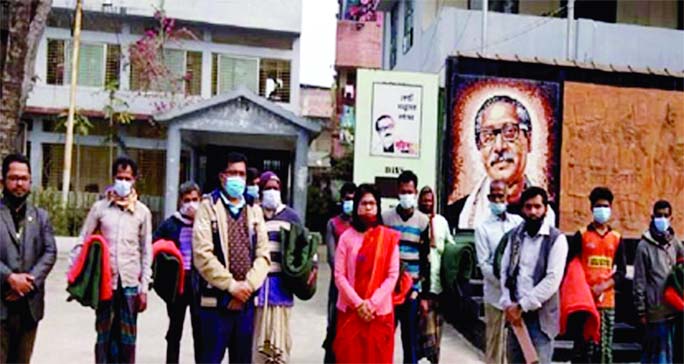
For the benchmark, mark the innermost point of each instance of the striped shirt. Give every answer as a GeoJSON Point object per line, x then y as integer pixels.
{"type": "Point", "coordinates": [278, 294]}
{"type": "Point", "coordinates": [414, 245]}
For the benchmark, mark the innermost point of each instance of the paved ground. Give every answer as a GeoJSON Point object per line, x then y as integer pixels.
{"type": "Point", "coordinates": [67, 334]}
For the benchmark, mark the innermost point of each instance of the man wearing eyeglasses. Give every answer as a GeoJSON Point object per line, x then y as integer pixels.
{"type": "Point", "coordinates": [384, 126]}
{"type": "Point", "coordinates": [503, 135]}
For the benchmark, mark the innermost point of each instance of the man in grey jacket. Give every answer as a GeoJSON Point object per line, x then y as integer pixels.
{"type": "Point", "coordinates": [28, 253]}
{"type": "Point", "coordinates": [656, 254]}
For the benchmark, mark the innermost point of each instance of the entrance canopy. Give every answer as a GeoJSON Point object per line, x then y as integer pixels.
{"type": "Point", "coordinates": [238, 120]}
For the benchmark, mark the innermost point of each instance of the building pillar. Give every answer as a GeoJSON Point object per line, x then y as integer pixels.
{"type": "Point", "coordinates": [206, 67]}
{"type": "Point", "coordinates": [125, 67]}
{"type": "Point", "coordinates": [173, 153]}
{"type": "Point", "coordinates": [301, 174]}
{"type": "Point", "coordinates": [36, 153]}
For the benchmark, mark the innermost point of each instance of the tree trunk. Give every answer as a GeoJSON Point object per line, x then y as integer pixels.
{"type": "Point", "coordinates": [27, 21]}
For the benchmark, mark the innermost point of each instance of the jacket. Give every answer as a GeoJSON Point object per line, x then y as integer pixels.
{"type": "Point", "coordinates": [34, 252]}
{"type": "Point", "coordinates": [207, 263]}
{"type": "Point", "coordinates": [653, 263]}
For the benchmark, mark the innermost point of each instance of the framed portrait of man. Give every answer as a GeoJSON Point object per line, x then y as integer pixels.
{"type": "Point", "coordinates": [500, 129]}
{"type": "Point", "coordinates": [396, 120]}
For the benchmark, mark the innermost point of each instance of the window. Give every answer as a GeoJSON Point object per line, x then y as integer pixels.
{"type": "Point", "coordinates": [193, 73]}
{"type": "Point", "coordinates": [274, 80]}
{"type": "Point", "coordinates": [55, 59]}
{"type": "Point", "coordinates": [394, 24]}
{"type": "Point", "coordinates": [98, 63]}
{"type": "Point", "coordinates": [408, 26]}
{"type": "Point", "coordinates": [185, 69]}
{"type": "Point", "coordinates": [229, 72]}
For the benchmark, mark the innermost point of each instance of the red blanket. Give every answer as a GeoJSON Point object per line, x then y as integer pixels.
{"type": "Point", "coordinates": [77, 268]}
{"type": "Point", "coordinates": [674, 299]}
{"type": "Point", "coordinates": [169, 247]}
{"type": "Point", "coordinates": [575, 296]}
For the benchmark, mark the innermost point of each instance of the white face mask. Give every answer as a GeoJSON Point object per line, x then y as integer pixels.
{"type": "Point", "coordinates": [189, 208]}
{"type": "Point", "coordinates": [122, 187]}
{"type": "Point", "coordinates": [407, 201]}
{"type": "Point", "coordinates": [271, 199]}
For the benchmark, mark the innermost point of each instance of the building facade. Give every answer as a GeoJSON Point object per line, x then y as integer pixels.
{"type": "Point", "coordinates": [420, 35]}
{"type": "Point", "coordinates": [230, 55]}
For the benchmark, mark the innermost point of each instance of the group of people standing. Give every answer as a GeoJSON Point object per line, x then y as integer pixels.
{"type": "Point", "coordinates": [524, 261]}
{"type": "Point", "coordinates": [229, 241]}
{"type": "Point", "coordinates": [386, 271]}
{"type": "Point", "coordinates": [386, 268]}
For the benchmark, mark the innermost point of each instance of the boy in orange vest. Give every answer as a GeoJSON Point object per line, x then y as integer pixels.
{"type": "Point", "coordinates": [600, 249]}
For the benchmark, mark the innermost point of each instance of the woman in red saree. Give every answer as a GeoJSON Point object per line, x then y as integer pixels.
{"type": "Point", "coordinates": [366, 271]}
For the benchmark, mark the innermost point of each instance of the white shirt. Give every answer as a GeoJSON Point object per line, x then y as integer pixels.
{"type": "Point", "coordinates": [476, 207]}
{"type": "Point", "coordinates": [531, 297]}
{"type": "Point", "coordinates": [440, 227]}
{"type": "Point", "coordinates": [487, 237]}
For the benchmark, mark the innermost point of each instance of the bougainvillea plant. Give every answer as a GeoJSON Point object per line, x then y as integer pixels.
{"type": "Point", "coordinates": [147, 58]}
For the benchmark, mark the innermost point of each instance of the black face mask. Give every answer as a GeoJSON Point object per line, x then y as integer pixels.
{"type": "Point", "coordinates": [532, 226]}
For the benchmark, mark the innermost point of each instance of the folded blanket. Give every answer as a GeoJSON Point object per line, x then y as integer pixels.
{"type": "Point", "coordinates": [458, 264]}
{"type": "Point", "coordinates": [575, 296]}
{"type": "Point", "coordinates": [403, 286]}
{"type": "Point", "coordinates": [167, 270]}
{"type": "Point", "coordinates": [89, 280]}
{"type": "Point", "coordinates": [674, 286]}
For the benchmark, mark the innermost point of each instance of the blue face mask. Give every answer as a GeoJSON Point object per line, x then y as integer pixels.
{"type": "Point", "coordinates": [348, 207]}
{"type": "Point", "coordinates": [235, 186]}
{"type": "Point", "coordinates": [253, 191]}
{"type": "Point", "coordinates": [662, 224]}
{"type": "Point", "coordinates": [122, 187]}
{"type": "Point", "coordinates": [497, 208]}
{"type": "Point", "coordinates": [601, 214]}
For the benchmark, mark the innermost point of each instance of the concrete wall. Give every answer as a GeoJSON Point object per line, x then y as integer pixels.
{"type": "Point", "coordinates": [278, 15]}
{"type": "Point", "coordinates": [359, 45]}
{"type": "Point", "coordinates": [532, 36]}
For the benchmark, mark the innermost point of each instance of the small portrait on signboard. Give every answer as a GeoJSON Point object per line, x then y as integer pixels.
{"type": "Point", "coordinates": [396, 120]}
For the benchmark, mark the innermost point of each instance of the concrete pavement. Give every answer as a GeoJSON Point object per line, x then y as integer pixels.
{"type": "Point", "coordinates": [67, 334]}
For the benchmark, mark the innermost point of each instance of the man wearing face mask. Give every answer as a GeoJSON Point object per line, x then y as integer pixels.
{"type": "Point", "coordinates": [276, 329]}
{"type": "Point", "coordinates": [126, 224]}
{"type": "Point", "coordinates": [231, 254]}
{"type": "Point", "coordinates": [602, 256]}
{"type": "Point", "coordinates": [532, 268]}
{"type": "Point", "coordinates": [414, 253]}
{"type": "Point", "coordinates": [27, 255]}
{"type": "Point", "coordinates": [487, 237]}
{"type": "Point", "coordinates": [656, 254]}
{"type": "Point", "coordinates": [252, 190]}
{"type": "Point", "coordinates": [336, 226]}
{"type": "Point", "coordinates": [178, 229]}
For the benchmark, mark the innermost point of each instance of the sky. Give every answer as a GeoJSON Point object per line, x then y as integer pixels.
{"type": "Point", "coordinates": [319, 24]}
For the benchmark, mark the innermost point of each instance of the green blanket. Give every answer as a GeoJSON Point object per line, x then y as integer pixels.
{"type": "Point", "coordinates": [299, 249]}
{"type": "Point", "coordinates": [166, 271]}
{"type": "Point", "coordinates": [458, 262]}
{"type": "Point", "coordinates": [86, 289]}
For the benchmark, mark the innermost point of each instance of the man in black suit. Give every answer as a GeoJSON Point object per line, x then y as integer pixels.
{"type": "Point", "coordinates": [27, 254]}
